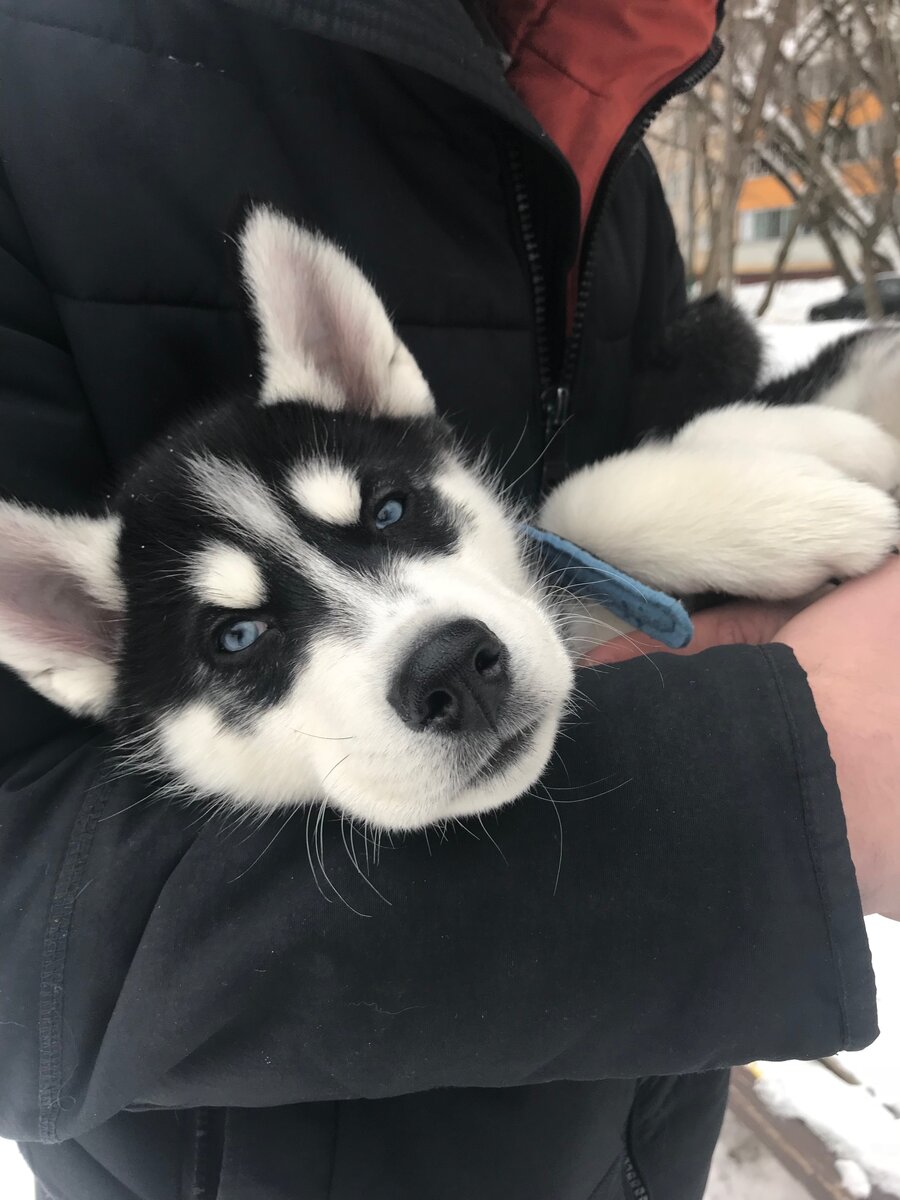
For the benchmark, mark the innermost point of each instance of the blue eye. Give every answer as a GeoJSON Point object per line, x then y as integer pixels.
{"type": "Point", "coordinates": [389, 512]}
{"type": "Point", "coordinates": [239, 635]}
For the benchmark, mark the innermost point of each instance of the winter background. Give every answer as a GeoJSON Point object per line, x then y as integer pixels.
{"type": "Point", "coordinates": [854, 1121]}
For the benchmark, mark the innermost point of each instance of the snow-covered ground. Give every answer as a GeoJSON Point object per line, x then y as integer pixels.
{"type": "Point", "coordinates": [791, 339]}
{"type": "Point", "coordinates": [743, 1169]}
{"type": "Point", "coordinates": [863, 1135]}
{"type": "Point", "coordinates": [792, 301]}
{"type": "Point", "coordinates": [878, 1066]}
{"type": "Point", "coordinates": [16, 1181]}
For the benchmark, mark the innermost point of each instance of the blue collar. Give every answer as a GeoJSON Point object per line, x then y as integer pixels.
{"type": "Point", "coordinates": [652, 612]}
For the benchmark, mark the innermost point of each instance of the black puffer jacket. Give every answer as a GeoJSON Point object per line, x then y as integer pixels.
{"type": "Point", "coordinates": [178, 1019]}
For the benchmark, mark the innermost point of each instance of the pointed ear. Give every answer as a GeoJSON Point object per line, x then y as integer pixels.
{"type": "Point", "coordinates": [60, 605]}
{"type": "Point", "coordinates": [325, 335]}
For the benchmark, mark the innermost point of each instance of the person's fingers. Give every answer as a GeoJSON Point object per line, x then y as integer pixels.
{"type": "Point", "coordinates": [743, 622]}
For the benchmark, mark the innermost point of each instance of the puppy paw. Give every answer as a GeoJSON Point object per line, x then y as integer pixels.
{"type": "Point", "coordinates": [831, 528]}
{"type": "Point", "coordinates": [691, 519]}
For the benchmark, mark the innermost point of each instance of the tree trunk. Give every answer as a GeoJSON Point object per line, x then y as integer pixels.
{"type": "Point", "coordinates": [693, 143]}
{"type": "Point", "coordinates": [874, 307]}
{"type": "Point", "coordinates": [798, 216]}
{"type": "Point", "coordinates": [710, 280]}
{"type": "Point", "coordinates": [822, 226]}
{"type": "Point", "coordinates": [731, 179]}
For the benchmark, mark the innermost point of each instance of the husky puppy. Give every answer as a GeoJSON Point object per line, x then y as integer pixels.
{"type": "Point", "coordinates": [311, 594]}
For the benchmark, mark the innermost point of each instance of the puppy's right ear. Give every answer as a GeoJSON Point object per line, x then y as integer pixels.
{"type": "Point", "coordinates": [326, 337]}
{"type": "Point", "coordinates": [60, 605]}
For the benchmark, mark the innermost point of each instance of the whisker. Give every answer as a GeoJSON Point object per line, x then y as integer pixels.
{"type": "Point", "coordinates": [576, 787]}
{"type": "Point", "coordinates": [327, 899]}
{"type": "Point", "coordinates": [499, 470]}
{"type": "Point", "coordinates": [319, 838]}
{"type": "Point", "coordinates": [355, 861]}
{"type": "Point", "coordinates": [322, 738]}
{"type": "Point", "coordinates": [492, 840]}
{"type": "Point", "coordinates": [278, 832]}
{"type": "Point", "coordinates": [331, 770]}
{"type": "Point", "coordinates": [596, 796]}
{"type": "Point", "coordinates": [559, 822]}
{"type": "Point", "coordinates": [471, 832]}
{"type": "Point", "coordinates": [532, 465]}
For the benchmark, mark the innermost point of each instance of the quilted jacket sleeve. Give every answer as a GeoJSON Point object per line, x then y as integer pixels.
{"type": "Point", "coordinates": [677, 895]}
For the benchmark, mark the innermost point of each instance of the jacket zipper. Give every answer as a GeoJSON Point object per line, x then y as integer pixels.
{"type": "Point", "coordinates": [634, 1181]}
{"type": "Point", "coordinates": [556, 395]}
{"type": "Point", "coordinates": [536, 276]}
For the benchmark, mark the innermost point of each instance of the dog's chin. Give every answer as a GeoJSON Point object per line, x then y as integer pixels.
{"type": "Point", "coordinates": [507, 771]}
{"type": "Point", "coordinates": [511, 770]}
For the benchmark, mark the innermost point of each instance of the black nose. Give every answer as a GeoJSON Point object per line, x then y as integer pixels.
{"type": "Point", "coordinates": [454, 680]}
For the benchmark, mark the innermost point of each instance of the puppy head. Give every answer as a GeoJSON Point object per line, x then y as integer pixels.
{"type": "Point", "coordinates": [305, 595]}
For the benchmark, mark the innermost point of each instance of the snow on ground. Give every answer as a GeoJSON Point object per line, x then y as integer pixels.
{"type": "Point", "coordinates": [789, 346]}
{"type": "Point", "coordinates": [863, 1135]}
{"type": "Point", "coordinates": [790, 338]}
{"type": "Point", "coordinates": [744, 1169]}
{"type": "Point", "coordinates": [792, 301]}
{"type": "Point", "coordinates": [16, 1181]}
{"type": "Point", "coordinates": [878, 1066]}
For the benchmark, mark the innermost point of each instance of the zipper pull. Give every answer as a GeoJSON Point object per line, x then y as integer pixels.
{"type": "Point", "coordinates": [555, 403]}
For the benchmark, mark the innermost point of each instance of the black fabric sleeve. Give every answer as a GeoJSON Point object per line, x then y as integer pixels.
{"type": "Point", "coordinates": [678, 895]}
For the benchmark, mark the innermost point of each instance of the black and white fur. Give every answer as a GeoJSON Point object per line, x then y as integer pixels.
{"type": "Point", "coordinates": [257, 630]}
{"type": "Point", "coordinates": [768, 497]}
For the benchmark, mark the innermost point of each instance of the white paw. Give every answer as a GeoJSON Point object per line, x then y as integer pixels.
{"type": "Point", "coordinates": [708, 519]}
{"type": "Point", "coordinates": [831, 528]}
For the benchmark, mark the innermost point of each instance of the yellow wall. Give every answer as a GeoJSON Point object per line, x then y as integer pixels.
{"type": "Point", "coordinates": [765, 191]}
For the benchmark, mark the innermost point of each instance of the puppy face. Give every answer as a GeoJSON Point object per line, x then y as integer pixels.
{"type": "Point", "coordinates": [306, 595]}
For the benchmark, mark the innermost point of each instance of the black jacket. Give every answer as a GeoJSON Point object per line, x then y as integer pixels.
{"type": "Point", "coordinates": [540, 1009]}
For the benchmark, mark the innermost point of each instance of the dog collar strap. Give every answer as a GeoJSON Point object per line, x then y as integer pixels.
{"type": "Point", "coordinates": [652, 612]}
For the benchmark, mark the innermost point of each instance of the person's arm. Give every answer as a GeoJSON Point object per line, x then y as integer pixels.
{"type": "Point", "coordinates": [846, 642]}
{"type": "Point", "coordinates": [699, 911]}
{"type": "Point", "coordinates": [686, 901]}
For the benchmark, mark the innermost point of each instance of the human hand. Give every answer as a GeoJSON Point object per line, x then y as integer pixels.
{"type": "Point", "coordinates": [743, 622]}
{"type": "Point", "coordinates": [848, 644]}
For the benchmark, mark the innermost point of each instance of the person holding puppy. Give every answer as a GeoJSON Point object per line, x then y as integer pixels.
{"type": "Point", "coordinates": [180, 1019]}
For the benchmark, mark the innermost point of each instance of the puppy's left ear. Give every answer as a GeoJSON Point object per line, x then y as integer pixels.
{"type": "Point", "coordinates": [326, 337]}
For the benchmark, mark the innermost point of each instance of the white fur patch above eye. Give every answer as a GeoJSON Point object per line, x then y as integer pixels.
{"type": "Point", "coordinates": [227, 577]}
{"type": "Point", "coordinates": [328, 491]}
{"type": "Point", "coordinates": [235, 494]}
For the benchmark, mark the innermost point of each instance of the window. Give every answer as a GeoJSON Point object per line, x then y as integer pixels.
{"type": "Point", "coordinates": [764, 224]}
